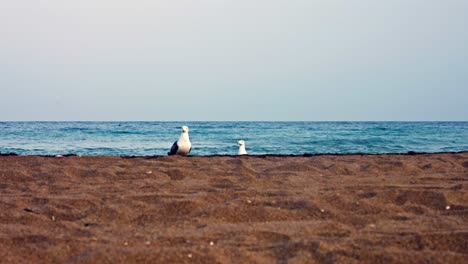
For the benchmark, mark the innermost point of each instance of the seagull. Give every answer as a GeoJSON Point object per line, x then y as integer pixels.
{"type": "Point", "coordinates": [242, 150]}
{"type": "Point", "coordinates": [183, 145]}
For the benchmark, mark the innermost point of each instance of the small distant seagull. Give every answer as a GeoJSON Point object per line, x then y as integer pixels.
{"type": "Point", "coordinates": [183, 145]}
{"type": "Point", "coordinates": [242, 150]}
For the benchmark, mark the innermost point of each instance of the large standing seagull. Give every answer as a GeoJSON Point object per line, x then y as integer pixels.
{"type": "Point", "coordinates": [183, 145]}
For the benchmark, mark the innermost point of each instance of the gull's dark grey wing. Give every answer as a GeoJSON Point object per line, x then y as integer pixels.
{"type": "Point", "coordinates": [173, 149]}
{"type": "Point", "coordinates": [189, 150]}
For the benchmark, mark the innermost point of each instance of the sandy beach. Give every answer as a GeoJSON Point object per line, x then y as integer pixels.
{"type": "Point", "coordinates": [227, 209]}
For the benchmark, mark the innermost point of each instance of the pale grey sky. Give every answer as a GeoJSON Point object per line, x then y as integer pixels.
{"type": "Point", "coordinates": [233, 60]}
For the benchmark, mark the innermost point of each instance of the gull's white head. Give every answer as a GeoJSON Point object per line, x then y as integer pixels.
{"type": "Point", "coordinates": [185, 129]}
{"type": "Point", "coordinates": [241, 143]}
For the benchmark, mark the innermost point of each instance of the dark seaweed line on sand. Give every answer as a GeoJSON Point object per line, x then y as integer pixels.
{"type": "Point", "coordinates": [409, 153]}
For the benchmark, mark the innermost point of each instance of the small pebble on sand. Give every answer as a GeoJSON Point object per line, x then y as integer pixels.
{"type": "Point", "coordinates": [148, 243]}
{"type": "Point", "coordinates": [447, 207]}
{"type": "Point", "coordinates": [322, 210]}
{"type": "Point", "coordinates": [211, 243]}
{"type": "Point", "coordinates": [189, 255]}
{"type": "Point", "coordinates": [149, 172]}
{"type": "Point", "coordinates": [249, 201]}
{"type": "Point", "coordinates": [126, 243]}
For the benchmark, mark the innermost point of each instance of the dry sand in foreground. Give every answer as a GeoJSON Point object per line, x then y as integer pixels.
{"type": "Point", "coordinates": [323, 209]}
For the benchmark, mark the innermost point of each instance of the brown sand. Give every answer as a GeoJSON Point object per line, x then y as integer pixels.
{"type": "Point", "coordinates": [319, 209]}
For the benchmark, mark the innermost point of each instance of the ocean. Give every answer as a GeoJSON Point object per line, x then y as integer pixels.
{"type": "Point", "coordinates": [219, 138]}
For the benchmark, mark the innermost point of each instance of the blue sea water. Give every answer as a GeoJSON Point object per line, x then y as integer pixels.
{"type": "Point", "coordinates": [212, 138]}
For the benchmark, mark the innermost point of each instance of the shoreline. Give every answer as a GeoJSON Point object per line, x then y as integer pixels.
{"type": "Point", "coordinates": [409, 153]}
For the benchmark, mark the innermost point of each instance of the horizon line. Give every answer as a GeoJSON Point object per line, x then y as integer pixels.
{"type": "Point", "coordinates": [282, 121]}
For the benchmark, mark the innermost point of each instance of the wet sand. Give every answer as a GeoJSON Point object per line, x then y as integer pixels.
{"type": "Point", "coordinates": [253, 209]}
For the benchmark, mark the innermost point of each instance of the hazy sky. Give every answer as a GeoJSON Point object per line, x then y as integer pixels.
{"type": "Point", "coordinates": [234, 60]}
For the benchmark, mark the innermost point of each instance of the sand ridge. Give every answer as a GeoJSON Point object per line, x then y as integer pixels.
{"type": "Point", "coordinates": [229, 209]}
